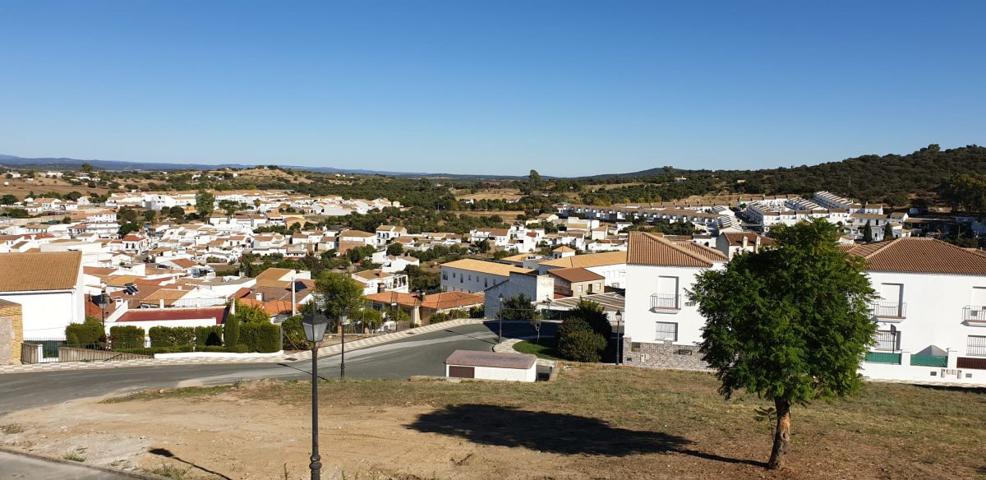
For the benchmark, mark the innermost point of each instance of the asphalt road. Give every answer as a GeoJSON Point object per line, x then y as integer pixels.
{"type": "Point", "coordinates": [15, 467]}
{"type": "Point", "coordinates": [422, 354]}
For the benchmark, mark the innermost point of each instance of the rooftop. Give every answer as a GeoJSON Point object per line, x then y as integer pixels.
{"type": "Point", "coordinates": [24, 272]}
{"type": "Point", "coordinates": [481, 266]}
{"type": "Point", "coordinates": [920, 255]}
{"type": "Point", "coordinates": [471, 358]}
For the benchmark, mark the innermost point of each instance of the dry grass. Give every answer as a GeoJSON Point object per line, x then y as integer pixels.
{"type": "Point", "coordinates": [618, 423]}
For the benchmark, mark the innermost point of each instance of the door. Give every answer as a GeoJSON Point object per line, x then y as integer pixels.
{"type": "Point", "coordinates": [462, 372]}
{"type": "Point", "coordinates": [891, 300]}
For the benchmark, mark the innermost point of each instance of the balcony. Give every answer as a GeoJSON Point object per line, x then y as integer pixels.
{"type": "Point", "coordinates": [974, 315]}
{"type": "Point", "coordinates": [889, 311]}
{"type": "Point", "coordinates": [664, 303]}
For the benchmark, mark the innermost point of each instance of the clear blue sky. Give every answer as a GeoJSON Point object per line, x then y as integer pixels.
{"type": "Point", "coordinates": [566, 87]}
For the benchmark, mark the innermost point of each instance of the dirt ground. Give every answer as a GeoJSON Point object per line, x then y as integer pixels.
{"type": "Point", "coordinates": [592, 423]}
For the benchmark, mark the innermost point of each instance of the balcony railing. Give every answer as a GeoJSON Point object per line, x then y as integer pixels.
{"type": "Point", "coordinates": [889, 310]}
{"type": "Point", "coordinates": [664, 303]}
{"type": "Point", "coordinates": [883, 357]}
{"type": "Point", "coordinates": [974, 314]}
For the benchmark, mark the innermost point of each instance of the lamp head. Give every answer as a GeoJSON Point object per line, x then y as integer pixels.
{"type": "Point", "coordinates": [315, 325]}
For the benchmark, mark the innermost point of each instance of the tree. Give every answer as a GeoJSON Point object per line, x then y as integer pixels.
{"type": "Point", "coordinates": [578, 342]}
{"type": "Point", "coordinates": [86, 167]}
{"type": "Point", "coordinates": [395, 249]}
{"type": "Point", "coordinates": [888, 231]}
{"type": "Point", "coordinates": [518, 308]}
{"type": "Point", "coordinates": [534, 180]}
{"type": "Point", "coordinates": [8, 199]}
{"type": "Point", "coordinates": [789, 324]}
{"type": "Point", "coordinates": [204, 203]}
{"type": "Point", "coordinates": [339, 294]}
{"type": "Point", "coordinates": [868, 232]}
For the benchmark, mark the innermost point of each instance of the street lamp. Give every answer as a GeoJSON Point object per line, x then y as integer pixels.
{"type": "Point", "coordinates": [315, 325]}
{"type": "Point", "coordinates": [103, 302]}
{"type": "Point", "coordinates": [499, 337]}
{"type": "Point", "coordinates": [619, 337]}
{"type": "Point", "coordinates": [343, 321]}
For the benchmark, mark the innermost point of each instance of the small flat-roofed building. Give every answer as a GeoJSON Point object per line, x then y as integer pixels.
{"type": "Point", "coordinates": [516, 367]}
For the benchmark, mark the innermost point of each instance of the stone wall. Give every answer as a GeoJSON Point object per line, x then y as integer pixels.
{"type": "Point", "coordinates": [662, 355]}
{"type": "Point", "coordinates": [11, 333]}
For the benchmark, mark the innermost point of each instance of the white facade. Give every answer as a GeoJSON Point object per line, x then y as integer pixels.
{"type": "Point", "coordinates": [657, 306]}
{"type": "Point", "coordinates": [47, 313]}
{"type": "Point", "coordinates": [499, 373]}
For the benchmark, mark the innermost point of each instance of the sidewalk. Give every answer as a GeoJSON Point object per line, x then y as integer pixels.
{"type": "Point", "coordinates": [24, 466]}
{"type": "Point", "coordinates": [241, 358]}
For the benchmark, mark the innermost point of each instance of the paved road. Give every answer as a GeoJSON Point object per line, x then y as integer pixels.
{"type": "Point", "coordinates": [16, 467]}
{"type": "Point", "coordinates": [421, 354]}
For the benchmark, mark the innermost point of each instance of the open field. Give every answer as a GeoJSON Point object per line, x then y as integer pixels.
{"type": "Point", "coordinates": [507, 215]}
{"type": "Point", "coordinates": [20, 187]}
{"type": "Point", "coordinates": [490, 194]}
{"type": "Point", "coordinates": [594, 422]}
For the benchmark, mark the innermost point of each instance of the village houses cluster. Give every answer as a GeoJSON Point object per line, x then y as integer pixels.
{"type": "Point", "coordinates": [931, 311]}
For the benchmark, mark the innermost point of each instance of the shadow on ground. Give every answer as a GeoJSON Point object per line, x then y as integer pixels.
{"type": "Point", "coordinates": [553, 433]}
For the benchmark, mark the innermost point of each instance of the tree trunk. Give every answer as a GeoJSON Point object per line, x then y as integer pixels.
{"type": "Point", "coordinates": [782, 434]}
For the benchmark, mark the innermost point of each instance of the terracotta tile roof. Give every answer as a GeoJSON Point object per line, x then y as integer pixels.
{"type": "Point", "coordinates": [650, 249]}
{"type": "Point", "coordinates": [433, 301]}
{"type": "Point", "coordinates": [23, 272]}
{"type": "Point", "coordinates": [490, 268]}
{"type": "Point", "coordinates": [564, 249]}
{"type": "Point", "coordinates": [587, 261]}
{"type": "Point", "coordinates": [271, 307]}
{"type": "Point", "coordinates": [736, 238]}
{"type": "Point", "coordinates": [166, 314]}
{"type": "Point", "coordinates": [576, 275]}
{"type": "Point", "coordinates": [355, 234]}
{"type": "Point", "coordinates": [920, 255]}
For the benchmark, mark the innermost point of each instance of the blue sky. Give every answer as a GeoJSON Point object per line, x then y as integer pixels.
{"type": "Point", "coordinates": [567, 87]}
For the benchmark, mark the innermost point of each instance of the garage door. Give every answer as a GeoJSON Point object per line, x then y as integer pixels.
{"type": "Point", "coordinates": [462, 372]}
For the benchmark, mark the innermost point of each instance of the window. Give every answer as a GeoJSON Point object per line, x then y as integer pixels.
{"type": "Point", "coordinates": [666, 331]}
{"type": "Point", "coordinates": [976, 346]}
{"type": "Point", "coordinates": [886, 340]}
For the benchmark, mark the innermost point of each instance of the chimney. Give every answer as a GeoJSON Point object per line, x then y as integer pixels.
{"type": "Point", "coordinates": [161, 303]}
{"type": "Point", "coordinates": [756, 243]}
{"type": "Point", "coordinates": [259, 296]}
{"type": "Point", "coordinates": [745, 242]}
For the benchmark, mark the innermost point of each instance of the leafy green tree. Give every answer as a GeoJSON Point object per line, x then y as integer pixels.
{"type": "Point", "coordinates": [338, 295]}
{"type": "Point", "coordinates": [518, 308]}
{"type": "Point", "coordinates": [577, 341]}
{"type": "Point", "coordinates": [204, 203]}
{"type": "Point", "coordinates": [789, 324]}
{"type": "Point", "coordinates": [395, 249]}
{"type": "Point", "coordinates": [8, 199]}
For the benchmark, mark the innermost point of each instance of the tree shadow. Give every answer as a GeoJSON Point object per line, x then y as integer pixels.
{"type": "Point", "coordinates": [164, 452]}
{"type": "Point", "coordinates": [554, 433]}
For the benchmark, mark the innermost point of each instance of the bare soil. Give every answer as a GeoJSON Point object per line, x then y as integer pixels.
{"type": "Point", "coordinates": [592, 423]}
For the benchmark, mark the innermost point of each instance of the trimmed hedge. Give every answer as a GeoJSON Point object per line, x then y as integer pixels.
{"type": "Point", "coordinates": [261, 337]}
{"type": "Point", "coordinates": [127, 337]}
{"type": "Point", "coordinates": [80, 334]}
{"type": "Point", "coordinates": [171, 336]}
{"type": "Point", "coordinates": [210, 336]}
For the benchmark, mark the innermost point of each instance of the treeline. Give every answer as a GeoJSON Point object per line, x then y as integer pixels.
{"type": "Point", "coordinates": [896, 180]}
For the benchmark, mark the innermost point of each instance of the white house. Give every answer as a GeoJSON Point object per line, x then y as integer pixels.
{"type": "Point", "coordinates": [471, 275]}
{"type": "Point", "coordinates": [930, 314]}
{"type": "Point", "coordinates": [49, 288]}
{"type": "Point", "coordinates": [611, 265]}
{"type": "Point", "coordinates": [662, 325]}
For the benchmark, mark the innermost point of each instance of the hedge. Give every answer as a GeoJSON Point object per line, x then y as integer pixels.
{"type": "Point", "coordinates": [127, 337]}
{"type": "Point", "coordinates": [171, 336]}
{"type": "Point", "coordinates": [209, 336]}
{"type": "Point", "coordinates": [577, 341]}
{"type": "Point", "coordinates": [261, 337]}
{"type": "Point", "coordinates": [80, 334]}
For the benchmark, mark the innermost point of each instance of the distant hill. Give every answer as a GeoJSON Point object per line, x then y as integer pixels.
{"type": "Point", "coordinates": [886, 178]}
{"type": "Point", "coordinates": [117, 165]}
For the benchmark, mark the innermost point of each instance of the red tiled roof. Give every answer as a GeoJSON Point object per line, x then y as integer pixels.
{"type": "Point", "coordinates": [168, 314]}
{"type": "Point", "coordinates": [920, 255]}
{"type": "Point", "coordinates": [649, 249]}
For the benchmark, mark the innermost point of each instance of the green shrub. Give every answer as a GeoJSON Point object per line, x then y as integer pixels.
{"type": "Point", "coordinates": [238, 348]}
{"type": "Point", "coordinates": [439, 318]}
{"type": "Point", "coordinates": [578, 342]}
{"type": "Point", "coordinates": [171, 336]}
{"type": "Point", "coordinates": [211, 335]}
{"type": "Point", "coordinates": [479, 311]}
{"type": "Point", "coordinates": [261, 337]}
{"type": "Point", "coordinates": [127, 337]}
{"type": "Point", "coordinates": [81, 334]}
{"type": "Point", "coordinates": [231, 330]}
{"type": "Point", "coordinates": [294, 334]}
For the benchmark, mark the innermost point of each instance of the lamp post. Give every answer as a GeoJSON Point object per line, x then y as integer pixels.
{"type": "Point", "coordinates": [343, 321]}
{"type": "Point", "coordinates": [619, 337]}
{"type": "Point", "coordinates": [499, 337]}
{"type": "Point", "coordinates": [315, 325]}
{"type": "Point", "coordinates": [103, 302]}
